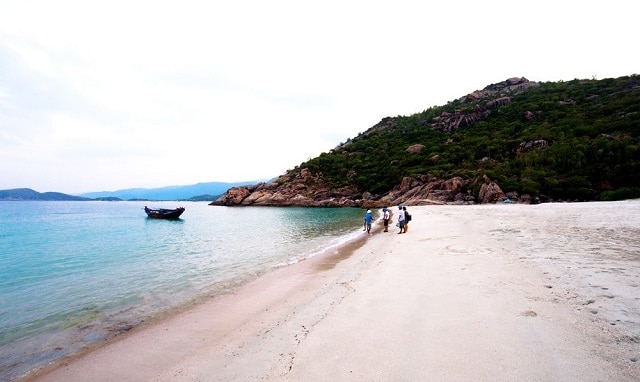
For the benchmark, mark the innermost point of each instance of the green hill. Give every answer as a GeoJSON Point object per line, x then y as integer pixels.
{"type": "Point", "coordinates": [575, 140]}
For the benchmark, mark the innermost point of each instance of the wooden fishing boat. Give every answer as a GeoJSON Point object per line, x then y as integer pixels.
{"type": "Point", "coordinates": [163, 213]}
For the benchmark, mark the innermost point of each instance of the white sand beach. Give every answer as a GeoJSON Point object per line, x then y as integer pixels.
{"type": "Point", "coordinates": [469, 293]}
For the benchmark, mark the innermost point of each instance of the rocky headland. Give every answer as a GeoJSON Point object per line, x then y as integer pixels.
{"type": "Point", "coordinates": [301, 187]}
{"type": "Point", "coordinates": [309, 190]}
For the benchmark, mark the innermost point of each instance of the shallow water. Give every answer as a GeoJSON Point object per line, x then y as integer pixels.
{"type": "Point", "coordinates": [73, 274]}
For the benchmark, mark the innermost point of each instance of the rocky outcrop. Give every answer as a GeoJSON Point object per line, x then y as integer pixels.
{"type": "Point", "coordinates": [511, 85]}
{"type": "Point", "coordinates": [532, 145]}
{"type": "Point", "coordinates": [301, 189]}
{"type": "Point", "coordinates": [415, 149]}
{"type": "Point", "coordinates": [309, 190]}
{"type": "Point", "coordinates": [483, 102]}
{"type": "Point", "coordinates": [428, 189]}
{"type": "Point", "coordinates": [490, 192]}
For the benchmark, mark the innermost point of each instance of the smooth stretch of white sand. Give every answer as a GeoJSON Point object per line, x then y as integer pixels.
{"type": "Point", "coordinates": [451, 300]}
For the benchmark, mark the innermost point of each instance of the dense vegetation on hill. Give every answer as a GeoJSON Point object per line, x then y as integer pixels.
{"type": "Point", "coordinates": [576, 140]}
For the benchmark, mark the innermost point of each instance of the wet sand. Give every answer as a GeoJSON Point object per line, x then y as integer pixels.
{"type": "Point", "coordinates": [468, 293]}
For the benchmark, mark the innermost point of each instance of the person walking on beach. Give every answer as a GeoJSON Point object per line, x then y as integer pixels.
{"type": "Point", "coordinates": [407, 218]}
{"type": "Point", "coordinates": [368, 218]}
{"type": "Point", "coordinates": [386, 215]}
{"type": "Point", "coordinates": [400, 219]}
{"type": "Point", "coordinates": [364, 222]}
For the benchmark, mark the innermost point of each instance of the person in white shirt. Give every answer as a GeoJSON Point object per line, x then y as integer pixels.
{"type": "Point", "coordinates": [401, 219]}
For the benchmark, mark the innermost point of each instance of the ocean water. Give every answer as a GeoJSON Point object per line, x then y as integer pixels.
{"type": "Point", "coordinates": [73, 274]}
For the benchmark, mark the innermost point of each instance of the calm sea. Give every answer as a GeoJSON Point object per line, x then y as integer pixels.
{"type": "Point", "coordinates": [73, 274]}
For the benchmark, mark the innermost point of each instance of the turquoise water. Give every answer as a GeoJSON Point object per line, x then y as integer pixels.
{"type": "Point", "coordinates": [73, 274]}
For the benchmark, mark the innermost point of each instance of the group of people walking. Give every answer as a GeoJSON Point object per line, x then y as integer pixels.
{"type": "Point", "coordinates": [404, 217]}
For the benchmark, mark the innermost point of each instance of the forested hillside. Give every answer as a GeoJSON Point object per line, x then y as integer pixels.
{"type": "Point", "coordinates": [575, 140]}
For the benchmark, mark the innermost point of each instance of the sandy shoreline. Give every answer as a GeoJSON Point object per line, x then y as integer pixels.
{"type": "Point", "coordinates": [450, 300]}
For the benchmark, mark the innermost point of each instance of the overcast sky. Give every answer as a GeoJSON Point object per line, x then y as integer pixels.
{"type": "Point", "coordinates": [106, 95]}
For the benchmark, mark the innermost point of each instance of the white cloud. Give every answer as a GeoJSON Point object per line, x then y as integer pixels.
{"type": "Point", "coordinates": [119, 94]}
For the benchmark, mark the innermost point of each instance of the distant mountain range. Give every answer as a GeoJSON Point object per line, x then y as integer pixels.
{"type": "Point", "coordinates": [196, 192]}
{"type": "Point", "coordinates": [29, 194]}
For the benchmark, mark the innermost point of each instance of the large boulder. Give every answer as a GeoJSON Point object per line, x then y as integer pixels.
{"type": "Point", "coordinates": [234, 196]}
{"type": "Point", "coordinates": [415, 149]}
{"type": "Point", "coordinates": [490, 192]}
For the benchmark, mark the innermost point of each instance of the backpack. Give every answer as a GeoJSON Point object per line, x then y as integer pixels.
{"type": "Point", "coordinates": [407, 216]}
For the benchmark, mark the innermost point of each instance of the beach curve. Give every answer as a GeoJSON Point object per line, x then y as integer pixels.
{"type": "Point", "coordinates": [456, 298]}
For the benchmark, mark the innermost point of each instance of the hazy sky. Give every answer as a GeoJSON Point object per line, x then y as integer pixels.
{"type": "Point", "coordinates": [105, 95]}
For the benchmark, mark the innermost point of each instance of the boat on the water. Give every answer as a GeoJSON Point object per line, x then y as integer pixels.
{"type": "Point", "coordinates": [163, 213]}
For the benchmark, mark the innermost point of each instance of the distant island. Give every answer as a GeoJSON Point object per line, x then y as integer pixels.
{"type": "Point", "coordinates": [20, 194]}
{"type": "Point", "coordinates": [201, 192]}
